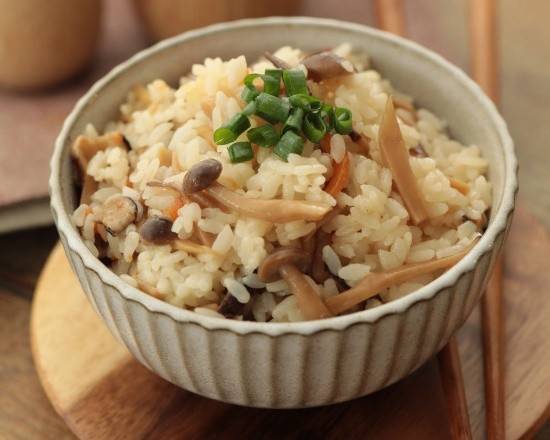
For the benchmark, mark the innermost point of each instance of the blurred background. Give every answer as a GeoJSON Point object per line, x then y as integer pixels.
{"type": "Point", "coordinates": [51, 55]}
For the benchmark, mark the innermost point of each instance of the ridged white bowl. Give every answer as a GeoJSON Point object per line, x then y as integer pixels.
{"type": "Point", "coordinates": [309, 363]}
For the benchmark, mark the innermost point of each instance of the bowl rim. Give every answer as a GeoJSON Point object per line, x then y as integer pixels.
{"type": "Point", "coordinates": [338, 323]}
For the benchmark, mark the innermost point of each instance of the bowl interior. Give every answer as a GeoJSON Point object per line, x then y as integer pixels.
{"type": "Point", "coordinates": [434, 84]}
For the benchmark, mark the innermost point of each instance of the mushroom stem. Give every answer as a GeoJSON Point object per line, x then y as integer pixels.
{"type": "Point", "coordinates": [396, 158]}
{"type": "Point", "coordinates": [274, 211]}
{"type": "Point", "coordinates": [309, 302]}
{"type": "Point", "coordinates": [373, 283]}
{"type": "Point", "coordinates": [276, 61]}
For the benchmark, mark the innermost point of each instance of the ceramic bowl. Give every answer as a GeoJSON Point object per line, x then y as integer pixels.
{"type": "Point", "coordinates": [289, 365]}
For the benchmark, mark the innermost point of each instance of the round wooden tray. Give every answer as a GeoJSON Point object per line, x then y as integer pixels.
{"type": "Point", "coordinates": [103, 393]}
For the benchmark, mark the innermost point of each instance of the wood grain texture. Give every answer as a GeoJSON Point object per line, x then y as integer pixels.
{"type": "Point", "coordinates": [20, 391]}
{"type": "Point", "coordinates": [485, 68]}
{"type": "Point", "coordinates": [127, 400]}
{"type": "Point", "coordinates": [391, 17]}
{"type": "Point", "coordinates": [454, 390]}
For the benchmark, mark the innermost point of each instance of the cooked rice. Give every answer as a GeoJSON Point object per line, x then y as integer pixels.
{"type": "Point", "coordinates": [170, 129]}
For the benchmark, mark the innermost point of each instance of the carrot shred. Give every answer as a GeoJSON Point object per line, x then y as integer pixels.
{"type": "Point", "coordinates": [340, 177]}
{"type": "Point", "coordinates": [172, 211]}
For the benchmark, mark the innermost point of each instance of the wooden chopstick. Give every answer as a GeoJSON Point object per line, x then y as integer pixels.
{"type": "Point", "coordinates": [390, 16]}
{"type": "Point", "coordinates": [453, 388]}
{"type": "Point", "coordinates": [484, 66]}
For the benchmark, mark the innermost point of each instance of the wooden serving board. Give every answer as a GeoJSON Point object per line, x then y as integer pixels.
{"type": "Point", "coordinates": [103, 393]}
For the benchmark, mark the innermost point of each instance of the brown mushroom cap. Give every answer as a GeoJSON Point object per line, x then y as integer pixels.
{"type": "Point", "coordinates": [118, 212]}
{"type": "Point", "coordinates": [201, 175]}
{"type": "Point", "coordinates": [270, 267]}
{"type": "Point", "coordinates": [326, 65]}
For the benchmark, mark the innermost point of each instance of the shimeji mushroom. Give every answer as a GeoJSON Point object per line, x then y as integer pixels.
{"type": "Point", "coordinates": [395, 156]}
{"type": "Point", "coordinates": [119, 211]}
{"type": "Point", "coordinates": [326, 65]}
{"type": "Point", "coordinates": [289, 263]}
{"type": "Point", "coordinates": [201, 175]}
{"type": "Point", "coordinates": [84, 148]}
{"type": "Point", "coordinates": [373, 283]}
{"type": "Point", "coordinates": [276, 61]}
{"type": "Point", "coordinates": [274, 210]}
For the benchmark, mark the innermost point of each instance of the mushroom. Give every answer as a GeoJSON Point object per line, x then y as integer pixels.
{"type": "Point", "coordinates": [84, 148]}
{"type": "Point", "coordinates": [118, 212]}
{"type": "Point", "coordinates": [277, 62]}
{"type": "Point", "coordinates": [274, 210]}
{"type": "Point", "coordinates": [157, 230]}
{"type": "Point", "coordinates": [231, 307]}
{"type": "Point", "coordinates": [395, 156]}
{"type": "Point", "coordinates": [373, 283]}
{"type": "Point", "coordinates": [318, 269]}
{"type": "Point", "coordinates": [327, 65]}
{"type": "Point", "coordinates": [418, 151]}
{"type": "Point", "coordinates": [282, 263]}
{"type": "Point", "coordinates": [201, 175]}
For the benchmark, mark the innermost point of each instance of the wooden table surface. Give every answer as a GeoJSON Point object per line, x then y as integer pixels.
{"type": "Point", "coordinates": [25, 413]}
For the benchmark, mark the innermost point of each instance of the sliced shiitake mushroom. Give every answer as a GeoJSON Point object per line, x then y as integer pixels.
{"type": "Point", "coordinates": [118, 212]}
{"type": "Point", "coordinates": [326, 65]}
{"type": "Point", "coordinates": [201, 175]}
{"type": "Point", "coordinates": [157, 230]}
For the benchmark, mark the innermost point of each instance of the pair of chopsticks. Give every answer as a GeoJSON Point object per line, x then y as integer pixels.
{"type": "Point", "coordinates": [483, 50]}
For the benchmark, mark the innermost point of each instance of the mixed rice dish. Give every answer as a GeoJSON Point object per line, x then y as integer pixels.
{"type": "Point", "coordinates": [299, 187]}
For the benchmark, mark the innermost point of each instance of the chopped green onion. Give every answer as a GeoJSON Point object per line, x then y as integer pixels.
{"type": "Point", "coordinates": [271, 108]}
{"type": "Point", "coordinates": [272, 85]}
{"type": "Point", "coordinates": [289, 143]}
{"type": "Point", "coordinates": [294, 120]}
{"type": "Point", "coordinates": [231, 131]}
{"type": "Point", "coordinates": [342, 120]}
{"type": "Point", "coordinates": [249, 79]}
{"type": "Point", "coordinates": [272, 81]}
{"type": "Point", "coordinates": [240, 152]}
{"type": "Point", "coordinates": [248, 94]}
{"type": "Point", "coordinates": [264, 135]}
{"type": "Point", "coordinates": [276, 73]}
{"type": "Point", "coordinates": [326, 114]}
{"type": "Point", "coordinates": [249, 109]}
{"type": "Point", "coordinates": [295, 82]}
{"type": "Point", "coordinates": [314, 127]}
{"type": "Point", "coordinates": [307, 103]}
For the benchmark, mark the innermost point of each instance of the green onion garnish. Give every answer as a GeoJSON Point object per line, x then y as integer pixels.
{"type": "Point", "coordinates": [307, 103]}
{"type": "Point", "coordinates": [295, 82]}
{"type": "Point", "coordinates": [342, 120]}
{"type": "Point", "coordinates": [289, 143]}
{"type": "Point", "coordinates": [271, 108]}
{"type": "Point", "coordinates": [294, 120]}
{"type": "Point", "coordinates": [272, 81]}
{"type": "Point", "coordinates": [326, 114]}
{"type": "Point", "coordinates": [314, 127]}
{"type": "Point", "coordinates": [248, 94]}
{"type": "Point", "coordinates": [240, 152]}
{"type": "Point", "coordinates": [249, 109]}
{"type": "Point", "coordinates": [264, 135]}
{"type": "Point", "coordinates": [231, 131]}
